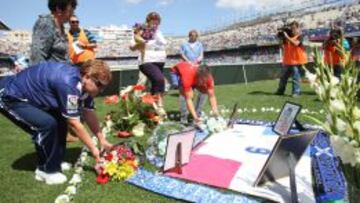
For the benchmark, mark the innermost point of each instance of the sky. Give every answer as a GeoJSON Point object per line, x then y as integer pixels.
{"type": "Point", "coordinates": [178, 16]}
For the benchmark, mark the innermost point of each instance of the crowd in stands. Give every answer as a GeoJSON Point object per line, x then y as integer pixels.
{"type": "Point", "coordinates": [315, 25]}
{"type": "Point", "coordinates": [14, 47]}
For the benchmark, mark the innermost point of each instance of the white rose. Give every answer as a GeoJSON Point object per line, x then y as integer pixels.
{"type": "Point", "coordinates": [138, 130]}
{"type": "Point", "coordinates": [71, 190]}
{"type": "Point", "coordinates": [62, 199]}
{"type": "Point", "coordinates": [76, 179]}
{"type": "Point", "coordinates": [79, 169]}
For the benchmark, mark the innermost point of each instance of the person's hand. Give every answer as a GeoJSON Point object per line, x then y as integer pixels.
{"type": "Point", "coordinates": [286, 35]}
{"type": "Point", "coordinates": [96, 153]}
{"type": "Point", "coordinates": [198, 121]}
{"type": "Point", "coordinates": [215, 113]}
{"type": "Point", "coordinates": [106, 145]}
{"type": "Point", "coordinates": [81, 45]}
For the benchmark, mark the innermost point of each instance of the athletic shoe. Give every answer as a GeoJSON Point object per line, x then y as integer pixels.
{"type": "Point", "coordinates": [50, 178]}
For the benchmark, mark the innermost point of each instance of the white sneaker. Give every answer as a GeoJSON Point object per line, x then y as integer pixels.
{"type": "Point", "coordinates": [50, 178]}
{"type": "Point", "coordinates": [65, 166]}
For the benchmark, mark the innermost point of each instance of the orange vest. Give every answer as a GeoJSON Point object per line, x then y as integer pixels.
{"type": "Point", "coordinates": [331, 56]}
{"type": "Point", "coordinates": [294, 55]}
{"type": "Point", "coordinates": [87, 54]}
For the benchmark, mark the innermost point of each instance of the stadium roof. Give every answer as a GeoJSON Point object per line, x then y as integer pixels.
{"type": "Point", "coordinates": [3, 26]}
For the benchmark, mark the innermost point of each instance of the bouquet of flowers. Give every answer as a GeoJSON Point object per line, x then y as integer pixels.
{"type": "Point", "coordinates": [134, 118]}
{"type": "Point", "coordinates": [343, 119]}
{"type": "Point", "coordinates": [118, 164]}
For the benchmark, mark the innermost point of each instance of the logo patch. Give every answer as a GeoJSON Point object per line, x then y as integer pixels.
{"type": "Point", "coordinates": [72, 104]}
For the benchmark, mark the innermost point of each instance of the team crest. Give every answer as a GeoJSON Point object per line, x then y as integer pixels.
{"type": "Point", "coordinates": [72, 103]}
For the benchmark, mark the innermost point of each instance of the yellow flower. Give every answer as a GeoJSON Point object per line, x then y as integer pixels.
{"type": "Point", "coordinates": [111, 168]}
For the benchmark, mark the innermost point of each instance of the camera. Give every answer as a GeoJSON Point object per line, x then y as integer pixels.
{"type": "Point", "coordinates": [284, 29]}
{"type": "Point", "coordinates": [335, 34]}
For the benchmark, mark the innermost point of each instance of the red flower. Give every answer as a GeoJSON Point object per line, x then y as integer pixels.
{"type": "Point", "coordinates": [123, 134]}
{"type": "Point", "coordinates": [155, 119]}
{"type": "Point", "coordinates": [109, 157]}
{"type": "Point", "coordinates": [114, 99]}
{"type": "Point", "coordinates": [150, 114]}
{"type": "Point", "coordinates": [148, 99]}
{"type": "Point", "coordinates": [139, 87]}
{"type": "Point", "coordinates": [102, 178]}
{"type": "Point", "coordinates": [125, 96]}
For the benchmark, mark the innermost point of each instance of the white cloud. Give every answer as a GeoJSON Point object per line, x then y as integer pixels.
{"type": "Point", "coordinates": [165, 2]}
{"type": "Point", "coordinates": [133, 1]}
{"type": "Point", "coordinates": [243, 4]}
{"type": "Point", "coordinates": [159, 2]}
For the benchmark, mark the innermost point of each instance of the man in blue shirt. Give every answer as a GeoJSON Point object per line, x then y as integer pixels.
{"type": "Point", "coordinates": [47, 98]}
{"type": "Point", "coordinates": [192, 51]}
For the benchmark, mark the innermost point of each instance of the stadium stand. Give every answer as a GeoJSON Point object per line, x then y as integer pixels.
{"type": "Point", "coordinates": [251, 41]}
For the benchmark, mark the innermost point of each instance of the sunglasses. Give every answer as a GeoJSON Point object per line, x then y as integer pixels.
{"type": "Point", "coordinates": [98, 84]}
{"type": "Point", "coordinates": [74, 22]}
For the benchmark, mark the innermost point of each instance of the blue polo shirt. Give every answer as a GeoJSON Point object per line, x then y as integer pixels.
{"type": "Point", "coordinates": [50, 86]}
{"type": "Point", "coordinates": [192, 51]}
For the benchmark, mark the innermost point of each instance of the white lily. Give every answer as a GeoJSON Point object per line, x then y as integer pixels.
{"type": "Point", "coordinates": [337, 106]}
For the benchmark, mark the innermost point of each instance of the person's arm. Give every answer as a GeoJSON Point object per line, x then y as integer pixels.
{"type": "Point", "coordinates": [182, 53]}
{"type": "Point", "coordinates": [213, 101]}
{"type": "Point", "coordinates": [93, 123]}
{"type": "Point", "coordinates": [42, 41]}
{"type": "Point", "coordinates": [84, 136]}
{"type": "Point", "coordinates": [91, 39]}
{"type": "Point", "coordinates": [201, 57]}
{"type": "Point", "coordinates": [158, 41]}
{"type": "Point", "coordinates": [293, 41]}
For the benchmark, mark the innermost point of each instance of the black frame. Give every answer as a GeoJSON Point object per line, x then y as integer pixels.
{"type": "Point", "coordinates": [175, 134]}
{"type": "Point", "coordinates": [276, 166]}
{"type": "Point", "coordinates": [291, 123]}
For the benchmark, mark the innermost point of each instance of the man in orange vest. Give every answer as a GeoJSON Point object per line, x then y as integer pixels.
{"type": "Point", "coordinates": [294, 56]}
{"type": "Point", "coordinates": [82, 43]}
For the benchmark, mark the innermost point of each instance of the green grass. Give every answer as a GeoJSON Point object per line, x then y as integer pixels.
{"type": "Point", "coordinates": [18, 159]}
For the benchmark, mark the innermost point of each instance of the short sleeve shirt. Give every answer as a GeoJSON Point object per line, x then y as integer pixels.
{"type": "Point", "coordinates": [50, 86]}
{"type": "Point", "coordinates": [187, 73]}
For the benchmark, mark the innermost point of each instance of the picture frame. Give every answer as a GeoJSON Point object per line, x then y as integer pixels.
{"type": "Point", "coordinates": [277, 165]}
{"type": "Point", "coordinates": [185, 140]}
{"type": "Point", "coordinates": [286, 118]}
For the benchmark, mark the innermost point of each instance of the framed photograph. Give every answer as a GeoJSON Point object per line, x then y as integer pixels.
{"type": "Point", "coordinates": [286, 118]}
{"type": "Point", "coordinates": [276, 166]}
{"type": "Point", "coordinates": [183, 139]}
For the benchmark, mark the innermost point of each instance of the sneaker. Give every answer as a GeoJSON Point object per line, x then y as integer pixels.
{"type": "Point", "coordinates": [295, 95]}
{"type": "Point", "coordinates": [65, 166]}
{"type": "Point", "coordinates": [50, 178]}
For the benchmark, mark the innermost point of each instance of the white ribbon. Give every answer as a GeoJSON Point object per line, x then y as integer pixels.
{"type": "Point", "coordinates": [321, 151]}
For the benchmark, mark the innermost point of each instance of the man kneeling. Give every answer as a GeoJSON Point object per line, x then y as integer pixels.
{"type": "Point", "coordinates": [44, 99]}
